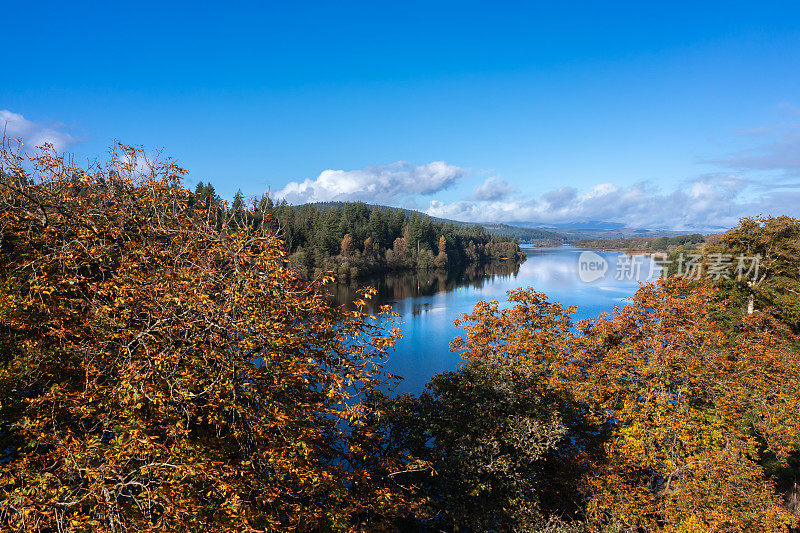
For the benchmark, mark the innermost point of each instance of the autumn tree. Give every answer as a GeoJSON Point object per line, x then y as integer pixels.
{"type": "Point", "coordinates": [441, 258]}
{"type": "Point", "coordinates": [369, 249]}
{"type": "Point", "coordinates": [161, 371]}
{"type": "Point", "coordinates": [396, 256]}
{"type": "Point", "coordinates": [347, 247]}
{"type": "Point", "coordinates": [692, 407]}
{"type": "Point", "coordinates": [507, 450]}
{"type": "Point", "coordinates": [775, 280]}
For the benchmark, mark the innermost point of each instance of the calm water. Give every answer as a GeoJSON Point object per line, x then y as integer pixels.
{"type": "Point", "coordinates": [429, 302]}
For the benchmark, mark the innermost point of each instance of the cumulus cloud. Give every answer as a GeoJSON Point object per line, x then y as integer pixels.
{"type": "Point", "coordinates": [34, 134]}
{"type": "Point", "coordinates": [494, 188]}
{"type": "Point", "coordinates": [762, 178]}
{"type": "Point", "coordinates": [703, 203]}
{"type": "Point", "coordinates": [377, 184]}
{"type": "Point", "coordinates": [560, 197]}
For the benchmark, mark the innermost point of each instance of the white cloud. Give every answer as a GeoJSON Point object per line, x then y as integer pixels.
{"type": "Point", "coordinates": [34, 134]}
{"type": "Point", "coordinates": [704, 203]}
{"type": "Point", "coordinates": [375, 184]}
{"type": "Point", "coordinates": [494, 188]}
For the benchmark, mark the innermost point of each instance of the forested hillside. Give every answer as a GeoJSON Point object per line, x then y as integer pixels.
{"type": "Point", "coordinates": [354, 239]}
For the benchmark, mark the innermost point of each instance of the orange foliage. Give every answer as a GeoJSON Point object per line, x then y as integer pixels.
{"type": "Point", "coordinates": [162, 369]}
{"type": "Point", "coordinates": [692, 408]}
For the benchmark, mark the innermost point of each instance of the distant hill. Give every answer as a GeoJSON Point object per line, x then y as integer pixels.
{"type": "Point", "coordinates": [587, 225]}
{"type": "Point", "coordinates": [571, 232]}
{"type": "Point", "coordinates": [523, 234]}
{"type": "Point", "coordinates": [598, 229]}
{"type": "Point", "coordinates": [538, 232]}
{"type": "Point", "coordinates": [408, 212]}
{"type": "Point", "coordinates": [659, 244]}
{"type": "Point", "coordinates": [616, 233]}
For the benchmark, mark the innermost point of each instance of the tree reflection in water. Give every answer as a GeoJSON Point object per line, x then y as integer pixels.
{"type": "Point", "coordinates": [396, 286]}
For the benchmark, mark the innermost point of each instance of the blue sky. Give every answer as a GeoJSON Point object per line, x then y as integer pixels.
{"type": "Point", "coordinates": [656, 115]}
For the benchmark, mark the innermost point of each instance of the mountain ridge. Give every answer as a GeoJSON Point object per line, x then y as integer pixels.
{"type": "Point", "coordinates": [537, 232]}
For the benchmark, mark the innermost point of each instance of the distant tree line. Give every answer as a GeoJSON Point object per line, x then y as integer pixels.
{"type": "Point", "coordinates": [658, 244]}
{"type": "Point", "coordinates": [354, 239]}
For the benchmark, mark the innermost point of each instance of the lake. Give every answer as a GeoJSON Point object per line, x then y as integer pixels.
{"type": "Point", "coordinates": [428, 302]}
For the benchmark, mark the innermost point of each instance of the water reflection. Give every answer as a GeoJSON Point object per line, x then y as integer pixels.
{"type": "Point", "coordinates": [428, 302]}
{"type": "Point", "coordinates": [393, 287]}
